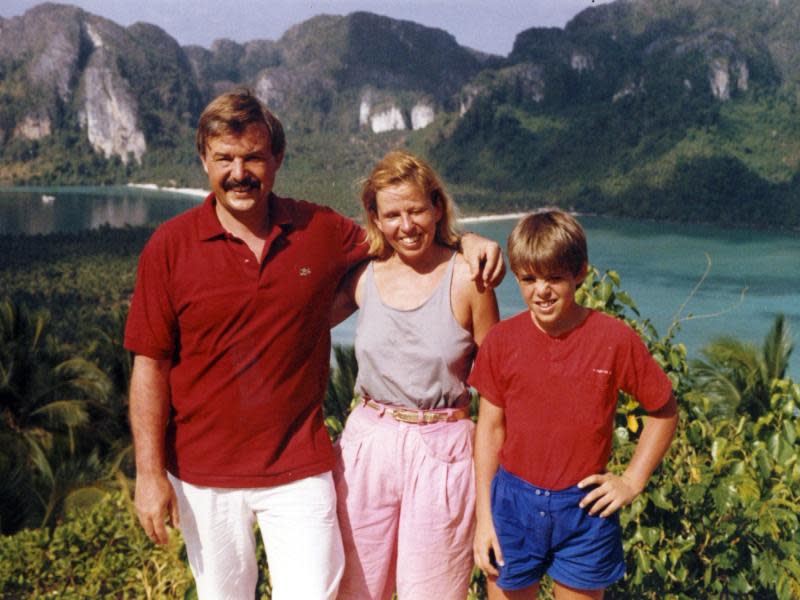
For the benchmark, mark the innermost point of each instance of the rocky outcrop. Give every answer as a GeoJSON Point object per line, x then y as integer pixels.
{"type": "Point", "coordinates": [388, 119]}
{"type": "Point", "coordinates": [726, 61]}
{"type": "Point", "coordinates": [631, 89]}
{"type": "Point", "coordinates": [77, 67]}
{"type": "Point", "coordinates": [383, 113]}
{"type": "Point", "coordinates": [719, 79]}
{"type": "Point", "coordinates": [724, 77]}
{"type": "Point", "coordinates": [422, 115]}
{"type": "Point", "coordinates": [49, 38]}
{"type": "Point", "coordinates": [468, 95]}
{"type": "Point", "coordinates": [109, 111]}
{"type": "Point", "coordinates": [33, 127]}
{"type": "Point", "coordinates": [581, 62]}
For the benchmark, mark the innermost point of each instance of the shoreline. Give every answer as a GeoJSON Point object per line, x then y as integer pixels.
{"type": "Point", "coordinates": [200, 193]}
{"type": "Point", "coordinates": [492, 217]}
{"type": "Point", "coordinates": [481, 218]}
{"type": "Point", "coordinates": [196, 192]}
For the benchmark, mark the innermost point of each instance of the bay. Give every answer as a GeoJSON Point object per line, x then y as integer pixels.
{"type": "Point", "coordinates": [754, 274]}
{"type": "Point", "coordinates": [41, 210]}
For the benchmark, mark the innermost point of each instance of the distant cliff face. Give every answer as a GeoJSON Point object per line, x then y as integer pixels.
{"type": "Point", "coordinates": [67, 66]}
{"type": "Point", "coordinates": [628, 47]}
{"type": "Point", "coordinates": [362, 71]}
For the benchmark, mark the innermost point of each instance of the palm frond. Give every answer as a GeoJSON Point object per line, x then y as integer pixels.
{"type": "Point", "coordinates": [63, 413]}
{"type": "Point", "coordinates": [777, 349]}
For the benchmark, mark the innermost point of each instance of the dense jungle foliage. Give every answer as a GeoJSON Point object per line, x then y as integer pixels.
{"type": "Point", "coordinates": [718, 520]}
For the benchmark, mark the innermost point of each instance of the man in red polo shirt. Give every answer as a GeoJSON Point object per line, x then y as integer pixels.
{"type": "Point", "coordinates": [230, 325]}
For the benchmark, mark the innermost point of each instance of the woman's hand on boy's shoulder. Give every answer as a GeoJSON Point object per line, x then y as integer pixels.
{"type": "Point", "coordinates": [484, 257]}
{"type": "Point", "coordinates": [612, 493]}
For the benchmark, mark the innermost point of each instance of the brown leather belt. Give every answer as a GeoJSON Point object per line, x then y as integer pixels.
{"type": "Point", "coordinates": [420, 417]}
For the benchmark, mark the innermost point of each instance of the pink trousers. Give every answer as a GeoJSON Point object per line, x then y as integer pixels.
{"type": "Point", "coordinates": [406, 502]}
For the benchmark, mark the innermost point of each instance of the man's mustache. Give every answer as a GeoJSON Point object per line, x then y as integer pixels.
{"type": "Point", "coordinates": [247, 182]}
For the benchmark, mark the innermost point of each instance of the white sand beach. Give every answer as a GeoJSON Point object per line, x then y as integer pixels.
{"type": "Point", "coordinates": [188, 191]}
{"type": "Point", "coordinates": [500, 217]}
{"type": "Point", "coordinates": [200, 193]}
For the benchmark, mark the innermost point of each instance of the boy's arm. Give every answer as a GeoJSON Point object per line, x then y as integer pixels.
{"type": "Point", "coordinates": [615, 491]}
{"type": "Point", "coordinates": [489, 437]}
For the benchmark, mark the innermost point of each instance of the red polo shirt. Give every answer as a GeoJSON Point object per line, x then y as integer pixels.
{"type": "Point", "coordinates": [249, 343]}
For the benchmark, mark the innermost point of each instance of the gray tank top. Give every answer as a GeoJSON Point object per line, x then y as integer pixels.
{"type": "Point", "coordinates": [417, 358]}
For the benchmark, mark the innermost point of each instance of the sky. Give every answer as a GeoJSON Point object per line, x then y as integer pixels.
{"type": "Point", "coordinates": [487, 25]}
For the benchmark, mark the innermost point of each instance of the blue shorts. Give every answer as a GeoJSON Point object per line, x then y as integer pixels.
{"type": "Point", "coordinates": [542, 531]}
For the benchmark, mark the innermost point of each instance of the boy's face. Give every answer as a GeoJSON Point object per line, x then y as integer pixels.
{"type": "Point", "coordinates": [551, 299]}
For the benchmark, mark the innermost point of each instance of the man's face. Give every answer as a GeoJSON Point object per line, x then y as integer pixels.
{"type": "Point", "coordinates": [241, 170]}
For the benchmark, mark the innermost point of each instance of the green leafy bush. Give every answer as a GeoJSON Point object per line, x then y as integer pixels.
{"type": "Point", "coordinates": [102, 553]}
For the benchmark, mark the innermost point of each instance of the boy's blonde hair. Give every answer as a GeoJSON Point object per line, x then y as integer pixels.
{"type": "Point", "coordinates": [548, 241]}
{"type": "Point", "coordinates": [400, 167]}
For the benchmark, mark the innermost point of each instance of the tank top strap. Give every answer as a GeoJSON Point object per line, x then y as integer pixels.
{"type": "Point", "coordinates": [442, 292]}
{"type": "Point", "coordinates": [370, 290]}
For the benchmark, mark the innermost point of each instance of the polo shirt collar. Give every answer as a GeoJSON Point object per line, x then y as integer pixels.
{"type": "Point", "coordinates": [209, 227]}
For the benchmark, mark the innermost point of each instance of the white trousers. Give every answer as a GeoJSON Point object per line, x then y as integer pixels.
{"type": "Point", "coordinates": [300, 530]}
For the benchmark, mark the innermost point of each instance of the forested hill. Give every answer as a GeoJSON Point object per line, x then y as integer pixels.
{"type": "Point", "coordinates": [676, 109]}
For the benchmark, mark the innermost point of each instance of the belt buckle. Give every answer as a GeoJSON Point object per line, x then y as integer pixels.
{"type": "Point", "coordinates": [404, 416]}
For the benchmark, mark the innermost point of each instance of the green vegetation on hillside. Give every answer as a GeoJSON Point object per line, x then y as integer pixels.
{"type": "Point", "coordinates": [730, 163]}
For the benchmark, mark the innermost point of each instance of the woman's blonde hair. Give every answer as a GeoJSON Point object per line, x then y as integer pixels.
{"type": "Point", "coordinates": [396, 168]}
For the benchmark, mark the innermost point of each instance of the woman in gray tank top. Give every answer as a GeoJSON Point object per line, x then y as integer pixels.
{"type": "Point", "coordinates": [404, 476]}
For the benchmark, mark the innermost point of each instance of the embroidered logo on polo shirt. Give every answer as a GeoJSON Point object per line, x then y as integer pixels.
{"type": "Point", "coordinates": [602, 371]}
{"type": "Point", "coordinates": [305, 271]}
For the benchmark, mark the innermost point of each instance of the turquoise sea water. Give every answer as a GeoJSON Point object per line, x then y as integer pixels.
{"type": "Point", "coordinates": [754, 274]}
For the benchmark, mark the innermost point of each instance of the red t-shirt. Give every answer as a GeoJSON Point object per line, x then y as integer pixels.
{"type": "Point", "coordinates": [559, 394]}
{"type": "Point", "coordinates": [249, 343]}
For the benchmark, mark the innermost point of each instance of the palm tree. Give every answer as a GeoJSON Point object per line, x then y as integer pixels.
{"type": "Point", "coordinates": [44, 403]}
{"type": "Point", "coordinates": [16, 484]}
{"type": "Point", "coordinates": [737, 376]}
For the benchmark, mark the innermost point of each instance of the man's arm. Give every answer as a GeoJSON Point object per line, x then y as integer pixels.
{"type": "Point", "coordinates": [615, 491]}
{"type": "Point", "coordinates": [485, 259]}
{"type": "Point", "coordinates": [155, 499]}
{"type": "Point", "coordinates": [489, 437]}
{"type": "Point", "coordinates": [346, 299]}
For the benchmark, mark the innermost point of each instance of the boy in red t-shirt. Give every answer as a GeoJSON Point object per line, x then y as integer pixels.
{"type": "Point", "coordinates": [548, 380]}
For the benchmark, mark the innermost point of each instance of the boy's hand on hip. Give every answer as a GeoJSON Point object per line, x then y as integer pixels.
{"type": "Point", "coordinates": [612, 493]}
{"type": "Point", "coordinates": [486, 549]}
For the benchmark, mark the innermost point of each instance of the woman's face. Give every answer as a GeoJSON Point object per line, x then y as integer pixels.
{"type": "Point", "coordinates": [407, 218]}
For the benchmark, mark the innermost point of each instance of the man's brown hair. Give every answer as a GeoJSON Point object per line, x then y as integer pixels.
{"type": "Point", "coordinates": [231, 113]}
{"type": "Point", "coordinates": [547, 241]}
